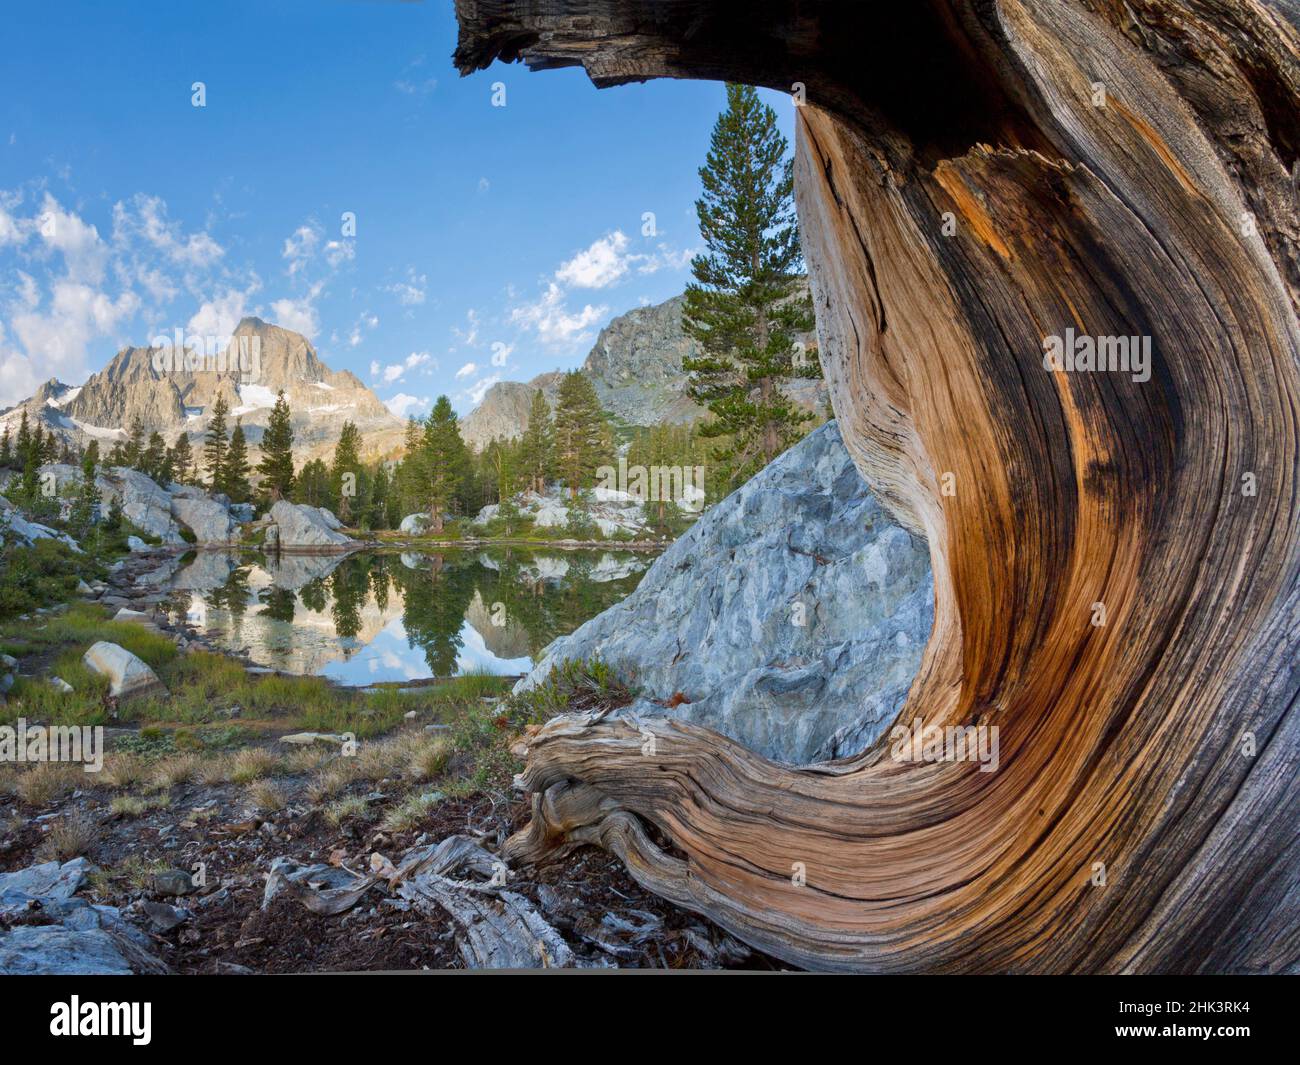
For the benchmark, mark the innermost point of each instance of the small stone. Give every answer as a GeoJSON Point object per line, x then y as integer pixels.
{"type": "Point", "coordinates": [301, 739]}
{"type": "Point", "coordinates": [8, 661]}
{"type": "Point", "coordinates": [162, 917]}
{"type": "Point", "coordinates": [173, 882]}
{"type": "Point", "coordinates": [61, 684]}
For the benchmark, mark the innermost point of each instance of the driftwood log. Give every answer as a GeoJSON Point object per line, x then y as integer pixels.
{"type": "Point", "coordinates": [1116, 560]}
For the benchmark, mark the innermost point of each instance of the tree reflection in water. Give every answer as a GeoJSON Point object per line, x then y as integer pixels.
{"type": "Point", "coordinates": [508, 602]}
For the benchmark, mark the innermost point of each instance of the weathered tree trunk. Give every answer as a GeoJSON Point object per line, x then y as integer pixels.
{"type": "Point", "coordinates": [1161, 745]}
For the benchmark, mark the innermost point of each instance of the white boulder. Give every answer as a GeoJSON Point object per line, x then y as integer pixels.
{"type": "Point", "coordinates": [127, 674]}
{"type": "Point", "coordinates": [551, 515]}
{"type": "Point", "coordinates": [414, 524]}
{"type": "Point", "coordinates": [301, 526]}
{"type": "Point", "coordinates": [210, 519]}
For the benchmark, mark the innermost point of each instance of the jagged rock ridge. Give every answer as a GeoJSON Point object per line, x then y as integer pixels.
{"type": "Point", "coordinates": [171, 398]}
{"type": "Point", "coordinates": [635, 366]}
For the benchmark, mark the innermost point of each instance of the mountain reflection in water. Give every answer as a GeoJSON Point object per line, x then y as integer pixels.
{"type": "Point", "coordinates": [382, 616]}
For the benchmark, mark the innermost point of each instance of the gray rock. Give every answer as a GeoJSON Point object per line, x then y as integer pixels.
{"type": "Point", "coordinates": [134, 543]}
{"type": "Point", "coordinates": [635, 366]}
{"type": "Point", "coordinates": [145, 504]}
{"type": "Point", "coordinates": [209, 520]}
{"type": "Point", "coordinates": [77, 937]}
{"type": "Point", "coordinates": [8, 661]}
{"type": "Point", "coordinates": [301, 526]}
{"type": "Point", "coordinates": [53, 950]}
{"type": "Point", "coordinates": [14, 527]}
{"type": "Point", "coordinates": [127, 674]}
{"type": "Point", "coordinates": [241, 512]}
{"type": "Point", "coordinates": [173, 882]}
{"type": "Point", "coordinates": [414, 524]}
{"type": "Point", "coordinates": [716, 616]}
{"type": "Point", "coordinates": [162, 917]}
{"type": "Point", "coordinates": [303, 739]}
{"type": "Point", "coordinates": [48, 880]}
{"type": "Point", "coordinates": [61, 685]}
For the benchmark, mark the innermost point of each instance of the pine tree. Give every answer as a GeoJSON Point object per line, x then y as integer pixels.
{"type": "Point", "coordinates": [236, 468]}
{"type": "Point", "coordinates": [410, 472]}
{"type": "Point", "coordinates": [377, 510]}
{"type": "Point", "coordinates": [444, 462]}
{"type": "Point", "coordinates": [24, 442]}
{"type": "Point", "coordinates": [81, 516]}
{"type": "Point", "coordinates": [217, 442]}
{"type": "Point", "coordinates": [312, 485]}
{"type": "Point", "coordinates": [742, 307]}
{"type": "Point", "coordinates": [276, 466]}
{"type": "Point", "coordinates": [134, 451]}
{"type": "Point", "coordinates": [182, 459]}
{"type": "Point", "coordinates": [50, 449]}
{"type": "Point", "coordinates": [347, 460]}
{"type": "Point", "coordinates": [6, 450]}
{"type": "Point", "coordinates": [151, 461]}
{"type": "Point", "coordinates": [537, 447]}
{"type": "Point", "coordinates": [583, 440]}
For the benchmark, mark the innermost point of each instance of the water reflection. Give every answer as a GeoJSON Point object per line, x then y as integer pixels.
{"type": "Point", "coordinates": [383, 616]}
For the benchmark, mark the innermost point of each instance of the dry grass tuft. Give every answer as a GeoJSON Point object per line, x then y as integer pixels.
{"type": "Point", "coordinates": [266, 796]}
{"type": "Point", "coordinates": [68, 838]}
{"type": "Point", "coordinates": [48, 781]}
{"type": "Point", "coordinates": [253, 763]}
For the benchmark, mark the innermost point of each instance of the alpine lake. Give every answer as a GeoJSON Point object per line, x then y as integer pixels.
{"type": "Point", "coordinates": [397, 616]}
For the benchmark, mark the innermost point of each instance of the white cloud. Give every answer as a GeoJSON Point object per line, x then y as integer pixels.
{"type": "Point", "coordinates": [397, 370]}
{"type": "Point", "coordinates": [54, 343]}
{"type": "Point", "coordinates": [479, 389]}
{"type": "Point", "coordinates": [403, 405]}
{"type": "Point", "coordinates": [468, 370]}
{"type": "Point", "coordinates": [599, 265]}
{"type": "Point", "coordinates": [299, 314]}
{"type": "Point", "coordinates": [145, 218]}
{"type": "Point", "coordinates": [420, 87]}
{"type": "Point", "coordinates": [411, 292]}
{"type": "Point", "coordinates": [469, 335]}
{"type": "Point", "coordinates": [483, 185]}
{"type": "Point", "coordinates": [84, 254]}
{"type": "Point", "coordinates": [11, 230]}
{"type": "Point", "coordinates": [300, 246]}
{"type": "Point", "coordinates": [220, 315]}
{"type": "Point", "coordinates": [552, 320]}
{"type": "Point", "coordinates": [338, 252]}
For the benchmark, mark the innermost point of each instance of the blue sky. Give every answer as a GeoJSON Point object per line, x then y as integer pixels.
{"type": "Point", "coordinates": [491, 242]}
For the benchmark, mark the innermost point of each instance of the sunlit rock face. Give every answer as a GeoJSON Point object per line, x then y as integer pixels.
{"type": "Point", "coordinates": [792, 616]}
{"type": "Point", "coordinates": [167, 395]}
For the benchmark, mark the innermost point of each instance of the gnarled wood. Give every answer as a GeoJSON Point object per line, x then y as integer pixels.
{"type": "Point", "coordinates": [1169, 212]}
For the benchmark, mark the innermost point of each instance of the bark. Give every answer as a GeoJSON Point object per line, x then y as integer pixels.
{"type": "Point", "coordinates": [1169, 212]}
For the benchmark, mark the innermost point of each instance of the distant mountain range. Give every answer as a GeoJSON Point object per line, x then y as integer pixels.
{"type": "Point", "coordinates": [636, 368]}
{"type": "Point", "coordinates": [170, 395]}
